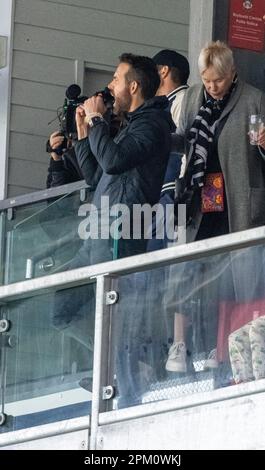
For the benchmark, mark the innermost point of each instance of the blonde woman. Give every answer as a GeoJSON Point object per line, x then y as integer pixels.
{"type": "Point", "coordinates": [224, 182]}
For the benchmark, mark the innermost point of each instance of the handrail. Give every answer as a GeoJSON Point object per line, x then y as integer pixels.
{"type": "Point", "coordinates": [176, 254]}
{"type": "Point", "coordinates": [42, 195]}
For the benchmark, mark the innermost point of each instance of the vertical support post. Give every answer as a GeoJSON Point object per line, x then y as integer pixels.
{"type": "Point", "coordinates": [6, 29]}
{"type": "Point", "coordinates": [97, 363]}
{"type": "Point", "coordinates": [200, 32]}
{"type": "Point", "coordinates": [80, 73]}
{"type": "Point", "coordinates": [2, 245]}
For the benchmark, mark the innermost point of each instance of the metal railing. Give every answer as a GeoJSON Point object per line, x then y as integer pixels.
{"type": "Point", "coordinates": [138, 263]}
{"type": "Point", "coordinates": [106, 273]}
{"type": "Point", "coordinates": [44, 195]}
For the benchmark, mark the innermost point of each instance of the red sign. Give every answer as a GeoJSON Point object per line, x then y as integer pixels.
{"type": "Point", "coordinates": [246, 24]}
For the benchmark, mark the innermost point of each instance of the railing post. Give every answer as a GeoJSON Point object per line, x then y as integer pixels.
{"type": "Point", "coordinates": [98, 368]}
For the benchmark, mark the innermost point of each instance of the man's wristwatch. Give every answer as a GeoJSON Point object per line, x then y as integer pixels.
{"type": "Point", "coordinates": [94, 119]}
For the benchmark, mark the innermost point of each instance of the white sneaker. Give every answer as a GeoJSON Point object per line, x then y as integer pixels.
{"type": "Point", "coordinates": [211, 362]}
{"type": "Point", "coordinates": [176, 361]}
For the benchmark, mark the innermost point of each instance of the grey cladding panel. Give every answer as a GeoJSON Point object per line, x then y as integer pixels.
{"type": "Point", "coordinates": [14, 190]}
{"type": "Point", "coordinates": [172, 9]}
{"type": "Point", "coordinates": [53, 39]}
{"type": "Point", "coordinates": [37, 95]}
{"type": "Point", "coordinates": [27, 174]}
{"type": "Point", "coordinates": [28, 147]}
{"type": "Point", "coordinates": [96, 50]}
{"type": "Point", "coordinates": [43, 68]}
{"type": "Point", "coordinates": [31, 121]}
{"type": "Point", "coordinates": [101, 24]}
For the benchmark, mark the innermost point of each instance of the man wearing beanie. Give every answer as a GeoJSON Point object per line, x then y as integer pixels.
{"type": "Point", "coordinates": [174, 70]}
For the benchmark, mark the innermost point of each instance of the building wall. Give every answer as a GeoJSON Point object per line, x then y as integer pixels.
{"type": "Point", "coordinates": [250, 65]}
{"type": "Point", "coordinates": [54, 42]}
{"type": "Point", "coordinates": [6, 28]}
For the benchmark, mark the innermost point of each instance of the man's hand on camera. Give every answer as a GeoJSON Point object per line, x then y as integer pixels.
{"type": "Point", "coordinates": [56, 139]}
{"type": "Point", "coordinates": [81, 125]}
{"type": "Point", "coordinates": [95, 104]}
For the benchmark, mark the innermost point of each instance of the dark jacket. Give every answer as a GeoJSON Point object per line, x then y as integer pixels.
{"type": "Point", "coordinates": [67, 171]}
{"type": "Point", "coordinates": [134, 162]}
{"type": "Point", "coordinates": [133, 165]}
{"type": "Point", "coordinates": [64, 171]}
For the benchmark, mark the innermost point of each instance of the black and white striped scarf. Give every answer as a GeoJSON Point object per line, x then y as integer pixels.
{"type": "Point", "coordinates": [202, 132]}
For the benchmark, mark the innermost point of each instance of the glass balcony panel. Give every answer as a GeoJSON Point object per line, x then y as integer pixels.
{"type": "Point", "coordinates": [47, 357]}
{"type": "Point", "coordinates": [52, 236]}
{"type": "Point", "coordinates": [174, 329]}
{"type": "Point", "coordinates": [42, 237]}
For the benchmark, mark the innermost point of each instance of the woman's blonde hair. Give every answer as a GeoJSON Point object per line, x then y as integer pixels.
{"type": "Point", "coordinates": [218, 55]}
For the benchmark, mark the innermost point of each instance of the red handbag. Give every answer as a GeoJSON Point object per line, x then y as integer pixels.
{"type": "Point", "coordinates": [232, 316]}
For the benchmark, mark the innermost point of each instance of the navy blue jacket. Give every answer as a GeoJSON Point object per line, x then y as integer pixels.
{"type": "Point", "coordinates": [133, 164]}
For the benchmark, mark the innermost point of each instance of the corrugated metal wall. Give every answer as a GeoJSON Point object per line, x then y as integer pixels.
{"type": "Point", "coordinates": [54, 40]}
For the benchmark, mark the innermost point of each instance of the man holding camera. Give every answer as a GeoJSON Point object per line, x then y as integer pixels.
{"type": "Point", "coordinates": [134, 162]}
{"type": "Point", "coordinates": [133, 165]}
{"type": "Point", "coordinates": [63, 167]}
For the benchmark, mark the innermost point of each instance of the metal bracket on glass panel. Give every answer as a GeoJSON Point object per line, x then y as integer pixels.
{"type": "Point", "coordinates": [2, 418]}
{"type": "Point", "coordinates": [29, 269]}
{"type": "Point", "coordinates": [108, 392]}
{"type": "Point", "coordinates": [5, 325]}
{"type": "Point", "coordinates": [10, 213]}
{"type": "Point", "coordinates": [112, 297]}
{"type": "Point", "coordinates": [9, 341]}
{"type": "Point", "coordinates": [46, 264]}
{"type": "Point", "coordinates": [83, 195]}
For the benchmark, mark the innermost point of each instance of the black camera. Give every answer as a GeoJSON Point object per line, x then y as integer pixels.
{"type": "Point", "coordinates": [67, 116]}
{"type": "Point", "coordinates": [72, 101]}
{"type": "Point", "coordinates": [107, 97]}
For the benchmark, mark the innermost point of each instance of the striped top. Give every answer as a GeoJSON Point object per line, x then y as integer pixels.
{"type": "Point", "coordinates": [175, 98]}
